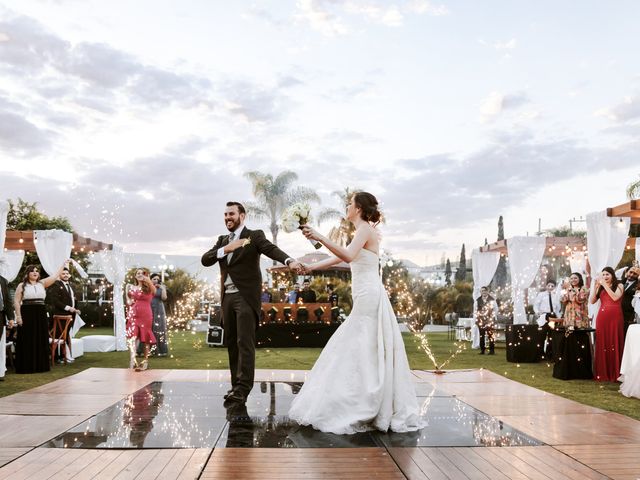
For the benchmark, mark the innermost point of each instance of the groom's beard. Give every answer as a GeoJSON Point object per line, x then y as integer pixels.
{"type": "Point", "coordinates": [232, 225]}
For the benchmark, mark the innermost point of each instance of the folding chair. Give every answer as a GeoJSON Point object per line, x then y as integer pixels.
{"type": "Point", "coordinates": [58, 336]}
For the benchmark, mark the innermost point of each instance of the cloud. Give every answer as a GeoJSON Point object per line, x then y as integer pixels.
{"type": "Point", "coordinates": [508, 45]}
{"type": "Point", "coordinates": [496, 103]}
{"type": "Point", "coordinates": [317, 15]}
{"type": "Point", "coordinates": [20, 137]}
{"type": "Point", "coordinates": [628, 109]}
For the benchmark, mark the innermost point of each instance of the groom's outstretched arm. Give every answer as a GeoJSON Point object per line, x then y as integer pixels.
{"type": "Point", "coordinates": [211, 257]}
{"type": "Point", "coordinates": [265, 247]}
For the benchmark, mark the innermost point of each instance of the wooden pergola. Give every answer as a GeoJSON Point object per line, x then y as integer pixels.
{"type": "Point", "coordinates": [564, 246]}
{"type": "Point", "coordinates": [23, 240]}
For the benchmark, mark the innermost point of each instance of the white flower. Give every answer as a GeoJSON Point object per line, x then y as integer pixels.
{"type": "Point", "coordinates": [296, 215]}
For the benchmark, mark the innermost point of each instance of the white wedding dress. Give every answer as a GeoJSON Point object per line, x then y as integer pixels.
{"type": "Point", "coordinates": [361, 381]}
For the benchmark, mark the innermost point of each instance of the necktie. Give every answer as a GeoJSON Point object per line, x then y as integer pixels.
{"type": "Point", "coordinates": [232, 235]}
{"type": "Point", "coordinates": [550, 303]}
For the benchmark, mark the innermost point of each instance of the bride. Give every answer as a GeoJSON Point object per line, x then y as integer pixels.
{"type": "Point", "coordinates": [361, 381]}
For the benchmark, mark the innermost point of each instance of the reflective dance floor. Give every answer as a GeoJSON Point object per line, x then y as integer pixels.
{"type": "Point", "coordinates": [192, 415]}
{"type": "Point", "coordinates": [115, 423]}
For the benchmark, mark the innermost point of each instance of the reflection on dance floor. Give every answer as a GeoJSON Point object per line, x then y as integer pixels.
{"type": "Point", "coordinates": [192, 415]}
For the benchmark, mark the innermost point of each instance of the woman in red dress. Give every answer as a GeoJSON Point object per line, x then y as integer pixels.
{"type": "Point", "coordinates": [609, 326]}
{"type": "Point", "coordinates": [140, 317]}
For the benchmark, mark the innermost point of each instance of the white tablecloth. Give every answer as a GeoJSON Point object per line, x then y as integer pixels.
{"type": "Point", "coordinates": [99, 343]}
{"type": "Point", "coordinates": [468, 330]}
{"type": "Point", "coordinates": [631, 356]}
{"type": "Point", "coordinates": [630, 366]}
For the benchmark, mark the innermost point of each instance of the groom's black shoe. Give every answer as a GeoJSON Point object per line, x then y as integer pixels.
{"type": "Point", "coordinates": [235, 397]}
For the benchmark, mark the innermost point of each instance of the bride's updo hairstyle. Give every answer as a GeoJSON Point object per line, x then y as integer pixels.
{"type": "Point", "coordinates": [368, 206]}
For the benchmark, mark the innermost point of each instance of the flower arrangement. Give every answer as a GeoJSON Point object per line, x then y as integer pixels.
{"type": "Point", "coordinates": [294, 217]}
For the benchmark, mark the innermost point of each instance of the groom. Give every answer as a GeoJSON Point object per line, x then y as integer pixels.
{"type": "Point", "coordinates": [239, 256]}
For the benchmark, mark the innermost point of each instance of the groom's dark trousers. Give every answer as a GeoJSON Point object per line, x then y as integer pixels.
{"type": "Point", "coordinates": [241, 310]}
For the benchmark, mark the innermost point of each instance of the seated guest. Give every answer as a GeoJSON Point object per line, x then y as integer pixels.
{"type": "Point", "coordinates": [293, 294]}
{"type": "Point", "coordinates": [265, 296]}
{"type": "Point", "coordinates": [629, 283]}
{"type": "Point", "coordinates": [283, 296]}
{"type": "Point", "coordinates": [306, 294]}
{"type": "Point", "coordinates": [575, 301]}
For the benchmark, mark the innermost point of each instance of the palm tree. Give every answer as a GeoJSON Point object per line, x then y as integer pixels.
{"type": "Point", "coordinates": [274, 195]}
{"type": "Point", "coordinates": [343, 233]}
{"type": "Point", "coordinates": [633, 190]}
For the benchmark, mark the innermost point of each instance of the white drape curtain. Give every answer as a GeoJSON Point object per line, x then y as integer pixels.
{"type": "Point", "coordinates": [638, 248]}
{"type": "Point", "coordinates": [113, 266]}
{"type": "Point", "coordinates": [11, 260]}
{"type": "Point", "coordinates": [10, 264]}
{"type": "Point", "coordinates": [53, 248]}
{"type": "Point", "coordinates": [578, 262]}
{"type": "Point", "coordinates": [606, 239]}
{"type": "Point", "coordinates": [525, 257]}
{"type": "Point", "coordinates": [484, 266]}
{"type": "Point", "coordinates": [4, 210]}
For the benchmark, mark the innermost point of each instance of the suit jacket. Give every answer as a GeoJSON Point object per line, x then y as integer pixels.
{"type": "Point", "coordinates": [627, 296]}
{"type": "Point", "coordinates": [307, 296]}
{"type": "Point", "coordinates": [58, 298]}
{"type": "Point", "coordinates": [8, 312]}
{"type": "Point", "coordinates": [244, 266]}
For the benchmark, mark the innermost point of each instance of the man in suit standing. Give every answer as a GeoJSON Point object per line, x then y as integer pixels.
{"type": "Point", "coordinates": [238, 255]}
{"type": "Point", "coordinates": [7, 318]}
{"type": "Point", "coordinates": [62, 301]}
{"type": "Point", "coordinates": [307, 294]}
{"type": "Point", "coordinates": [486, 316]}
{"type": "Point", "coordinates": [630, 284]}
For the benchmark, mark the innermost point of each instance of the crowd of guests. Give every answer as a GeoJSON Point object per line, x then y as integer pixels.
{"type": "Point", "coordinates": [618, 294]}
{"type": "Point", "coordinates": [29, 318]}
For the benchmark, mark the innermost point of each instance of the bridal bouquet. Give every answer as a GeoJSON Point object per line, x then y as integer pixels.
{"type": "Point", "coordinates": [295, 216]}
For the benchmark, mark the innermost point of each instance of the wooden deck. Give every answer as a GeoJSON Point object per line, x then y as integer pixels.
{"type": "Point", "coordinates": [581, 442]}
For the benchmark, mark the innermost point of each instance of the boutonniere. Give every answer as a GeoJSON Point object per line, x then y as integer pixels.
{"type": "Point", "coordinates": [246, 242]}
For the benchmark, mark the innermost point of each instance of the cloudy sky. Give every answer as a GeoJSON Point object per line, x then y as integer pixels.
{"type": "Point", "coordinates": [138, 119]}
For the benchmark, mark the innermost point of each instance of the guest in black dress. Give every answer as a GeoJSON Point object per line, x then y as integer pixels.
{"type": "Point", "coordinates": [32, 345]}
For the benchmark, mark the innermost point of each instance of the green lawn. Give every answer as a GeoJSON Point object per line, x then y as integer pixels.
{"type": "Point", "coordinates": [189, 351]}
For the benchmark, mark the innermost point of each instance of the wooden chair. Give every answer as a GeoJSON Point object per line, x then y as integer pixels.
{"type": "Point", "coordinates": [58, 335]}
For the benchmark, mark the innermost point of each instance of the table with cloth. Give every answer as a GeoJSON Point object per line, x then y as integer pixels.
{"type": "Point", "coordinates": [630, 366]}
{"type": "Point", "coordinates": [466, 329]}
{"type": "Point", "coordinates": [572, 353]}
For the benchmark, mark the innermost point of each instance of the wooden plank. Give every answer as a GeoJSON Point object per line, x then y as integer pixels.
{"type": "Point", "coordinates": [444, 464]}
{"type": "Point", "coordinates": [542, 458]}
{"type": "Point", "coordinates": [464, 465]}
{"type": "Point", "coordinates": [491, 456]}
{"type": "Point", "coordinates": [28, 464]}
{"type": "Point", "coordinates": [162, 459]}
{"type": "Point", "coordinates": [177, 464]}
{"type": "Point", "coordinates": [9, 454]}
{"type": "Point", "coordinates": [79, 464]}
{"type": "Point", "coordinates": [100, 463]}
{"type": "Point", "coordinates": [137, 465]}
{"type": "Point", "coordinates": [415, 465]}
{"type": "Point", "coordinates": [196, 464]}
{"type": "Point", "coordinates": [489, 469]}
{"type": "Point", "coordinates": [530, 472]}
{"type": "Point", "coordinates": [117, 465]}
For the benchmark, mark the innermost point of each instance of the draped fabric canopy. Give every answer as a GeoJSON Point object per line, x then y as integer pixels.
{"type": "Point", "coordinates": [53, 248]}
{"type": "Point", "coordinates": [578, 262]}
{"type": "Point", "coordinates": [525, 257]}
{"type": "Point", "coordinates": [484, 266]}
{"type": "Point", "coordinates": [113, 266]}
{"type": "Point", "coordinates": [606, 240]}
{"type": "Point", "coordinates": [11, 260]}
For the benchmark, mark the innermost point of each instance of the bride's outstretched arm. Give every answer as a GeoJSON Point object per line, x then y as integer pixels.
{"type": "Point", "coordinates": [346, 254]}
{"type": "Point", "coordinates": [322, 265]}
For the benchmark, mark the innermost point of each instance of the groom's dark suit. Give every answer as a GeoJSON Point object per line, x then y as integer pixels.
{"type": "Point", "coordinates": [241, 310]}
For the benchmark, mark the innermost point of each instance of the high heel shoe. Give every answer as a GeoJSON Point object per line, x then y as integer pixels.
{"type": "Point", "coordinates": [143, 366]}
{"type": "Point", "coordinates": [133, 363]}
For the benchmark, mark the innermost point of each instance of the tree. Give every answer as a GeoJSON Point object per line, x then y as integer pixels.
{"type": "Point", "coordinates": [274, 195]}
{"type": "Point", "coordinates": [23, 215]}
{"type": "Point", "coordinates": [447, 273]}
{"type": "Point", "coordinates": [500, 278]}
{"type": "Point", "coordinates": [344, 232]}
{"type": "Point", "coordinates": [633, 190]}
{"type": "Point", "coordinates": [461, 272]}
